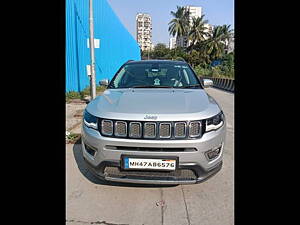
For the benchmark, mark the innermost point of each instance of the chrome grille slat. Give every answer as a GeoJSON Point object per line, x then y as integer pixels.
{"type": "Point", "coordinates": [164, 130]}
{"type": "Point", "coordinates": [195, 129]}
{"type": "Point", "coordinates": [120, 129]}
{"type": "Point", "coordinates": [107, 127]}
{"type": "Point", "coordinates": [149, 130]}
{"type": "Point", "coordinates": [180, 130]}
{"type": "Point", "coordinates": [135, 129]}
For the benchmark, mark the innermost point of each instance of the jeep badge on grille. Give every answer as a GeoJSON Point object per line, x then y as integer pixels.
{"type": "Point", "coordinates": [149, 117]}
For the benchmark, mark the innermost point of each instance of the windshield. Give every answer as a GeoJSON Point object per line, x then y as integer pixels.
{"type": "Point", "coordinates": [155, 75]}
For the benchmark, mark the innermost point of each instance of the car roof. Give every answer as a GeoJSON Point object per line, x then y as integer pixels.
{"type": "Point", "coordinates": [155, 61]}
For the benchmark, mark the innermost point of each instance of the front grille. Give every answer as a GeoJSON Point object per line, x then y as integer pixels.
{"type": "Point", "coordinates": [151, 130]}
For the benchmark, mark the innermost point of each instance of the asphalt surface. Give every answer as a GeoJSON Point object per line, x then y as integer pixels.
{"type": "Point", "coordinates": [88, 201]}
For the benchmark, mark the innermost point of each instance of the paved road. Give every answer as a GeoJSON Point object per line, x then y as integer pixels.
{"type": "Point", "coordinates": [208, 203]}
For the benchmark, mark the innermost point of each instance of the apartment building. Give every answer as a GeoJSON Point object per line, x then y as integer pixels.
{"type": "Point", "coordinates": [230, 44]}
{"type": "Point", "coordinates": [209, 28]}
{"type": "Point", "coordinates": [172, 43]}
{"type": "Point", "coordinates": [144, 31]}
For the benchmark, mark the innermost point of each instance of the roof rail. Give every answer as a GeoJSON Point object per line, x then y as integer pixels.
{"type": "Point", "coordinates": [130, 60]}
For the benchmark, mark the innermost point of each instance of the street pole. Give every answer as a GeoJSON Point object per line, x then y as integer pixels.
{"type": "Point", "coordinates": [92, 52]}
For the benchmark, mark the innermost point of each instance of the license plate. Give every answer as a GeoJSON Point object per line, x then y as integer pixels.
{"type": "Point", "coordinates": [152, 164]}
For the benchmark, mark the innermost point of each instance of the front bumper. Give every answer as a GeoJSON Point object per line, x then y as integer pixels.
{"type": "Point", "coordinates": [195, 161]}
{"type": "Point", "coordinates": [202, 175]}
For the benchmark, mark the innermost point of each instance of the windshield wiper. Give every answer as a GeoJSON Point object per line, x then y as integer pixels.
{"type": "Point", "coordinates": [150, 86]}
{"type": "Point", "coordinates": [191, 86]}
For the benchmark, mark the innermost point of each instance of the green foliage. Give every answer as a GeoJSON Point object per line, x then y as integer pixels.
{"type": "Point", "coordinates": [201, 71]}
{"type": "Point", "coordinates": [72, 138]}
{"type": "Point", "coordinates": [85, 92]}
{"type": "Point", "coordinates": [225, 70]}
{"type": "Point", "coordinates": [100, 88]}
{"type": "Point", "coordinates": [206, 46]}
{"type": "Point", "coordinates": [179, 25]}
{"type": "Point", "coordinates": [72, 95]}
{"type": "Point", "coordinates": [198, 31]}
{"type": "Point", "coordinates": [160, 51]}
{"type": "Point", "coordinates": [178, 58]}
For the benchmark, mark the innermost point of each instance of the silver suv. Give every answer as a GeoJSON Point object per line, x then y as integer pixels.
{"type": "Point", "coordinates": [154, 124]}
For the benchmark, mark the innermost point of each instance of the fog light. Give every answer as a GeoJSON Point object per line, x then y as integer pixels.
{"type": "Point", "coordinates": [92, 151]}
{"type": "Point", "coordinates": [212, 154]}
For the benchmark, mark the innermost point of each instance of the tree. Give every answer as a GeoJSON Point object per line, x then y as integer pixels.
{"type": "Point", "coordinates": [160, 51]}
{"type": "Point", "coordinates": [206, 46]}
{"type": "Point", "coordinates": [193, 58]}
{"type": "Point", "coordinates": [177, 52]}
{"type": "Point", "coordinates": [215, 44]}
{"type": "Point", "coordinates": [198, 31]}
{"type": "Point", "coordinates": [227, 34]}
{"type": "Point", "coordinates": [179, 25]}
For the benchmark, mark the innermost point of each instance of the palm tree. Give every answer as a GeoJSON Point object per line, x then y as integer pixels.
{"type": "Point", "coordinates": [215, 44]}
{"type": "Point", "coordinates": [179, 25]}
{"type": "Point", "coordinates": [198, 31]}
{"type": "Point", "coordinates": [227, 34]}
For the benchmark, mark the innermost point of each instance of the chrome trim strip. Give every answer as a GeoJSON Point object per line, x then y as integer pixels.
{"type": "Point", "coordinates": [140, 181]}
{"type": "Point", "coordinates": [213, 127]}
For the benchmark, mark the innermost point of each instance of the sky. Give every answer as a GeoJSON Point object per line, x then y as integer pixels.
{"type": "Point", "coordinates": [217, 12]}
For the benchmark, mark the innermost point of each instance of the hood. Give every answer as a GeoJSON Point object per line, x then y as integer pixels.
{"type": "Point", "coordinates": [161, 104]}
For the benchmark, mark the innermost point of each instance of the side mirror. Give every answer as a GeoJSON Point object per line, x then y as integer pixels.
{"type": "Point", "coordinates": [207, 83]}
{"type": "Point", "coordinates": [104, 82]}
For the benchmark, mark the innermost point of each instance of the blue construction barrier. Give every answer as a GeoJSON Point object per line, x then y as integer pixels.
{"type": "Point", "coordinates": [117, 45]}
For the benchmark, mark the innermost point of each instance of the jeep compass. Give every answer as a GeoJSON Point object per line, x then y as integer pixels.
{"type": "Point", "coordinates": [154, 124]}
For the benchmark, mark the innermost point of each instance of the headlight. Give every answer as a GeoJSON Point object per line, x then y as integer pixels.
{"type": "Point", "coordinates": [90, 120]}
{"type": "Point", "coordinates": [215, 122]}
